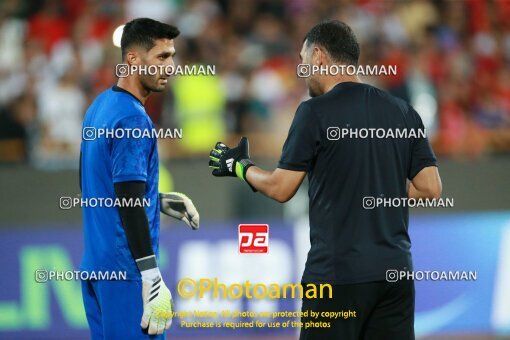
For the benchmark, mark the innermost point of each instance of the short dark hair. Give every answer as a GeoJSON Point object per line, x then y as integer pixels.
{"type": "Point", "coordinates": [337, 38]}
{"type": "Point", "coordinates": [143, 31]}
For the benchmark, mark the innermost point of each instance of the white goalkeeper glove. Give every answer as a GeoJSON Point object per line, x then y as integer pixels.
{"type": "Point", "coordinates": [179, 206]}
{"type": "Point", "coordinates": [157, 303]}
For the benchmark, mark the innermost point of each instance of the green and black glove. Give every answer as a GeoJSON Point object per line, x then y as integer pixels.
{"type": "Point", "coordinates": [231, 162]}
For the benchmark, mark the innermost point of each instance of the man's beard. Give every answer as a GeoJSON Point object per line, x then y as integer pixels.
{"type": "Point", "coordinates": [313, 89]}
{"type": "Point", "coordinates": [153, 86]}
{"type": "Point", "coordinates": [312, 93]}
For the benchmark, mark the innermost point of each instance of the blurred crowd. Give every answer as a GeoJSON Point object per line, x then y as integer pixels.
{"type": "Point", "coordinates": [452, 57]}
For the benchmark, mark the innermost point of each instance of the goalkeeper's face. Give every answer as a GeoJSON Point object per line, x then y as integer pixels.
{"type": "Point", "coordinates": [158, 61]}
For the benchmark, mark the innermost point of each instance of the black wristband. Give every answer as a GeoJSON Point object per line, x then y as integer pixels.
{"type": "Point", "coordinates": [247, 164]}
{"type": "Point", "coordinates": [146, 263]}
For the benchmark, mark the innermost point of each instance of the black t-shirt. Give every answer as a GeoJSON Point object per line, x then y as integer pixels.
{"type": "Point", "coordinates": [351, 244]}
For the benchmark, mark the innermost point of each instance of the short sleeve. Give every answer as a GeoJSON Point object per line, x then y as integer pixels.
{"type": "Point", "coordinates": [301, 145]}
{"type": "Point", "coordinates": [130, 156]}
{"type": "Point", "coordinates": [422, 155]}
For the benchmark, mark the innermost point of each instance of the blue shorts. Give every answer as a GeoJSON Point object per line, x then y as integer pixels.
{"type": "Point", "coordinates": [114, 309]}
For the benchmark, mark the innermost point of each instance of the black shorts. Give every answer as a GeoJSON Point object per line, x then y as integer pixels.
{"type": "Point", "coordinates": [368, 311]}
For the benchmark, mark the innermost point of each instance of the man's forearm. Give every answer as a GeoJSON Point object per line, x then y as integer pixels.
{"type": "Point", "coordinates": [263, 181]}
{"type": "Point", "coordinates": [418, 194]}
{"type": "Point", "coordinates": [426, 184]}
{"type": "Point", "coordinates": [280, 184]}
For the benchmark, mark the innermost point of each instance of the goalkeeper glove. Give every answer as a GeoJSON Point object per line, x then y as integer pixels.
{"type": "Point", "coordinates": [180, 207]}
{"type": "Point", "coordinates": [231, 162]}
{"type": "Point", "coordinates": [157, 303]}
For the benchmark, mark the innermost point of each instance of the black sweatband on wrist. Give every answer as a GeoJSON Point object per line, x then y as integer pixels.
{"type": "Point", "coordinates": [247, 163]}
{"type": "Point", "coordinates": [146, 263]}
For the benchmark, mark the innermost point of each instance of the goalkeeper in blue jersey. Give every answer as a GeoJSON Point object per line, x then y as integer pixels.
{"type": "Point", "coordinates": [126, 169]}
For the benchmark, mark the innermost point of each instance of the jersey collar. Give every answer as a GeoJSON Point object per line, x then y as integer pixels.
{"type": "Point", "coordinates": [120, 89]}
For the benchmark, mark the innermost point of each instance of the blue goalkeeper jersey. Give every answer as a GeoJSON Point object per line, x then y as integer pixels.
{"type": "Point", "coordinates": [111, 153]}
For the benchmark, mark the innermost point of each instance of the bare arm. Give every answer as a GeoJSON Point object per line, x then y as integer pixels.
{"type": "Point", "coordinates": [280, 184]}
{"type": "Point", "coordinates": [426, 184]}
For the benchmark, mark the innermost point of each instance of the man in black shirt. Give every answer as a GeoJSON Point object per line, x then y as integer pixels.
{"type": "Point", "coordinates": [353, 244]}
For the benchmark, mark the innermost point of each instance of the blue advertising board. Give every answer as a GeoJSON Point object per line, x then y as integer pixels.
{"type": "Point", "coordinates": [469, 242]}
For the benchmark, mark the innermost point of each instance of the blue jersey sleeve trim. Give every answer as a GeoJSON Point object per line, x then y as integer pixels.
{"type": "Point", "coordinates": [127, 178]}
